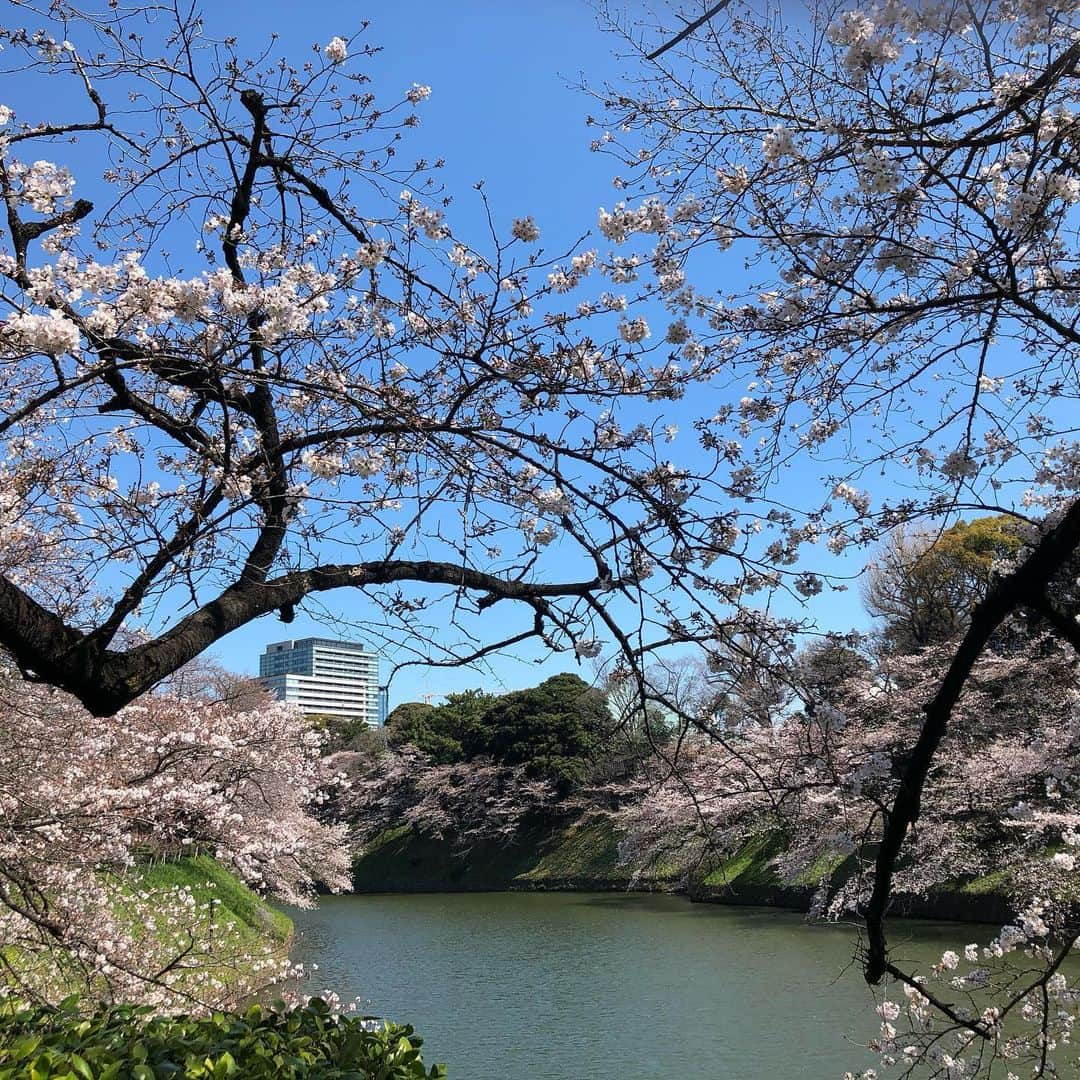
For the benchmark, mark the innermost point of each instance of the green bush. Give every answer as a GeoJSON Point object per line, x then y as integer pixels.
{"type": "Point", "coordinates": [553, 729]}
{"type": "Point", "coordinates": [129, 1043]}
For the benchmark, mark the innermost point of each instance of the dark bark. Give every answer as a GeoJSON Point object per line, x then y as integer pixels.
{"type": "Point", "coordinates": [1024, 587]}
{"type": "Point", "coordinates": [105, 680]}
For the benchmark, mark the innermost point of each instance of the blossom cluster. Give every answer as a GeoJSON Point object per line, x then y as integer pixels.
{"type": "Point", "coordinates": [87, 804]}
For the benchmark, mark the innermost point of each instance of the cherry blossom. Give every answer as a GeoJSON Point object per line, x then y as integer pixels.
{"type": "Point", "coordinates": [337, 51]}
{"type": "Point", "coordinates": [84, 802]}
{"type": "Point", "coordinates": [310, 374]}
{"type": "Point", "coordinates": [525, 229]}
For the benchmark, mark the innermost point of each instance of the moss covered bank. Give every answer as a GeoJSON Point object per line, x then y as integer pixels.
{"type": "Point", "coordinates": [583, 855]}
{"type": "Point", "coordinates": [241, 913]}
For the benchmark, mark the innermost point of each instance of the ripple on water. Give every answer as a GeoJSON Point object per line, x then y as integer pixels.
{"type": "Point", "coordinates": [603, 986]}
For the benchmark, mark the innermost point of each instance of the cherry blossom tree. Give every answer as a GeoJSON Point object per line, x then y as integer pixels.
{"type": "Point", "coordinates": [85, 802]}
{"type": "Point", "coordinates": [902, 181]}
{"type": "Point", "coordinates": [810, 789]}
{"type": "Point", "coordinates": [460, 803]}
{"type": "Point", "coordinates": [257, 364]}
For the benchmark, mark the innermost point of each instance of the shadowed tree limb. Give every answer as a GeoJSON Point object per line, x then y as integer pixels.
{"type": "Point", "coordinates": [683, 34]}
{"type": "Point", "coordinates": [1010, 594]}
{"type": "Point", "coordinates": [106, 680]}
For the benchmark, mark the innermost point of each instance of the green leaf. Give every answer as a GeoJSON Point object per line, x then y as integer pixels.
{"type": "Point", "coordinates": [81, 1067]}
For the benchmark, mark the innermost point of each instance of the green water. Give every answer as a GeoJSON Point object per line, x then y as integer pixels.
{"type": "Point", "coordinates": [602, 986]}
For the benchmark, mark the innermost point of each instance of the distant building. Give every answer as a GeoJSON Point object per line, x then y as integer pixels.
{"type": "Point", "coordinates": [324, 677]}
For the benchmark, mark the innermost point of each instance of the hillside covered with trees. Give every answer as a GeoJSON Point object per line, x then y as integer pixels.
{"type": "Point", "coordinates": [816, 756]}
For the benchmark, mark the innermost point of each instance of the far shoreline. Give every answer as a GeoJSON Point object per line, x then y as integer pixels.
{"type": "Point", "coordinates": [582, 856]}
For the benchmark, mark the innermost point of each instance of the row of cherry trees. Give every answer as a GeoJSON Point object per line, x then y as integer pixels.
{"type": "Point", "coordinates": [901, 179]}
{"type": "Point", "coordinates": [807, 772]}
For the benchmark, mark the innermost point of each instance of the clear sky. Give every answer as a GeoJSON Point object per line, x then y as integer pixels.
{"type": "Point", "coordinates": [506, 110]}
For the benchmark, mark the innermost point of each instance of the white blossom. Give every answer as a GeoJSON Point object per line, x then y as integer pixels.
{"type": "Point", "coordinates": [525, 229]}
{"type": "Point", "coordinates": [53, 334]}
{"type": "Point", "coordinates": [633, 331]}
{"type": "Point", "coordinates": [778, 144]}
{"type": "Point", "coordinates": [336, 50]}
{"type": "Point", "coordinates": [588, 648]}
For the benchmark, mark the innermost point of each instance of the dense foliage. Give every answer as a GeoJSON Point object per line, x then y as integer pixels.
{"type": "Point", "coordinates": [480, 765]}
{"type": "Point", "coordinates": [554, 730]}
{"type": "Point", "coordinates": [126, 1043]}
{"type": "Point", "coordinates": [442, 732]}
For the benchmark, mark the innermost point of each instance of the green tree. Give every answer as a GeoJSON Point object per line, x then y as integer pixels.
{"type": "Point", "coordinates": [406, 720]}
{"type": "Point", "coordinates": [462, 719]}
{"type": "Point", "coordinates": [924, 585]}
{"type": "Point", "coordinates": [554, 729]}
{"type": "Point", "coordinates": [440, 731]}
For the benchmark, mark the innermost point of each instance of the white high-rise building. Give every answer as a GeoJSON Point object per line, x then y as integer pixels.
{"type": "Point", "coordinates": [326, 678]}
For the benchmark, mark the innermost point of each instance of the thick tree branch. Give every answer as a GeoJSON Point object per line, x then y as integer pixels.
{"type": "Point", "coordinates": [1007, 596]}
{"type": "Point", "coordinates": [106, 680]}
{"type": "Point", "coordinates": [688, 30]}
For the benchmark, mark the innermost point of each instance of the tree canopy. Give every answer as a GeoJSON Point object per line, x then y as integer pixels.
{"type": "Point", "coordinates": [247, 372]}
{"type": "Point", "coordinates": [924, 586]}
{"type": "Point", "coordinates": [553, 729]}
{"type": "Point", "coordinates": [441, 731]}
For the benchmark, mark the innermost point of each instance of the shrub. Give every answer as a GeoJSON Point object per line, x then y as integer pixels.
{"type": "Point", "coordinates": [122, 1042]}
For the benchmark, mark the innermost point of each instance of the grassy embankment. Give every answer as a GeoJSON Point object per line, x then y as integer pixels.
{"type": "Point", "coordinates": [584, 855]}
{"type": "Point", "coordinates": [241, 912]}
{"type": "Point", "coordinates": [244, 923]}
{"type": "Point", "coordinates": [580, 855]}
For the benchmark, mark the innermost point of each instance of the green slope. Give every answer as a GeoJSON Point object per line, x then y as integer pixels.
{"type": "Point", "coordinates": [242, 909]}
{"type": "Point", "coordinates": [581, 855]}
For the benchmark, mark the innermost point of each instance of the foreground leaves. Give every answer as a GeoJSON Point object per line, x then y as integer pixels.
{"type": "Point", "coordinates": [131, 1042]}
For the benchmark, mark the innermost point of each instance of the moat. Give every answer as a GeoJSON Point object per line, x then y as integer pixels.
{"type": "Point", "coordinates": [609, 986]}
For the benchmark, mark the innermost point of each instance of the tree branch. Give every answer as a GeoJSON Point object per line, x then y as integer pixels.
{"type": "Point", "coordinates": [1010, 594]}
{"type": "Point", "coordinates": [105, 680]}
{"type": "Point", "coordinates": [685, 33]}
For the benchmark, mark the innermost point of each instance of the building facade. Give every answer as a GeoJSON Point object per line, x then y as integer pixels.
{"type": "Point", "coordinates": [323, 677]}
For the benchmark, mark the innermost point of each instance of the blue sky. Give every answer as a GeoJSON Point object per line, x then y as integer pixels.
{"type": "Point", "coordinates": [505, 111]}
{"type": "Point", "coordinates": [502, 109]}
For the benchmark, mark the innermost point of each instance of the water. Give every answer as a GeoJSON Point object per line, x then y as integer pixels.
{"type": "Point", "coordinates": [602, 986]}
